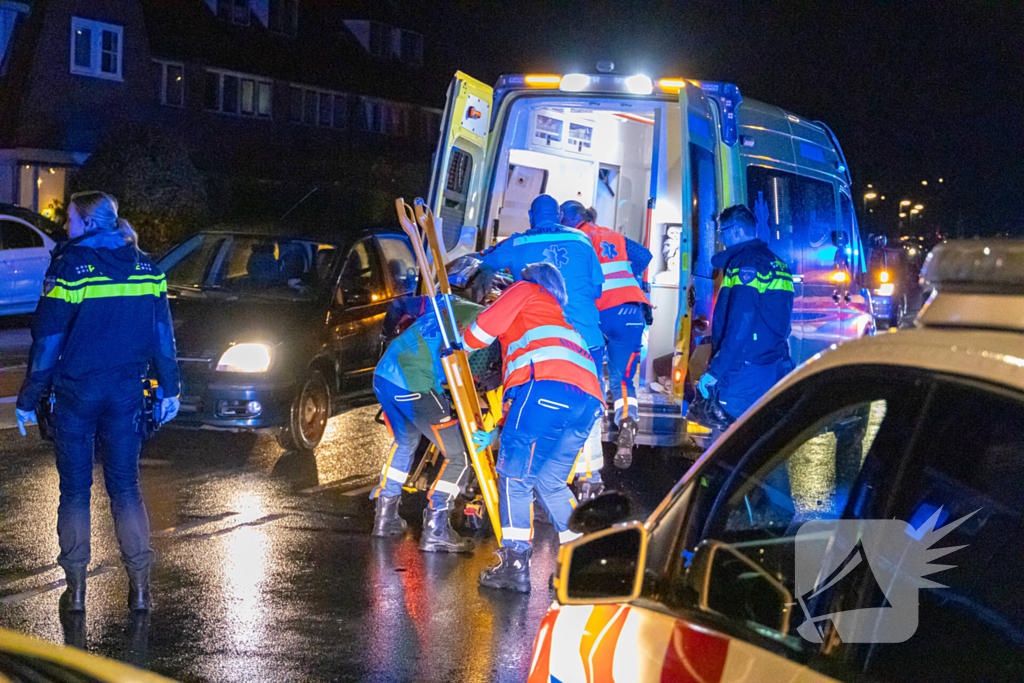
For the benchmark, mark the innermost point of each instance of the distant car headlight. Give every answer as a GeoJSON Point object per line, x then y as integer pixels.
{"type": "Point", "coordinates": [245, 358]}
{"type": "Point", "coordinates": [885, 290]}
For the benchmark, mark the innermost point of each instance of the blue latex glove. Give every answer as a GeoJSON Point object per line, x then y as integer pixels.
{"type": "Point", "coordinates": [169, 409]}
{"type": "Point", "coordinates": [705, 383]}
{"type": "Point", "coordinates": [483, 438]}
{"type": "Point", "coordinates": [25, 417]}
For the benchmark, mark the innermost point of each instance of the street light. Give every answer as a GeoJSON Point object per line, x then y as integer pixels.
{"type": "Point", "coordinates": [905, 202]}
{"type": "Point", "coordinates": [903, 215]}
{"type": "Point", "coordinates": [870, 195]}
{"type": "Point", "coordinates": [915, 211]}
{"type": "Point", "coordinates": [924, 182]}
{"type": "Point", "coordinates": [918, 207]}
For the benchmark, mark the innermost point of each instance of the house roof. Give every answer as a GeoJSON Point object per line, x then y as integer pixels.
{"type": "Point", "coordinates": [323, 53]}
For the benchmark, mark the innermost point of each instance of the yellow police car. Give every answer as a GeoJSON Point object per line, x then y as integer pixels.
{"type": "Point", "coordinates": [862, 522]}
{"type": "Point", "coordinates": [30, 660]}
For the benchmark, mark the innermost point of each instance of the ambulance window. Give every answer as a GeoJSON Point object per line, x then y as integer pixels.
{"type": "Point", "coordinates": [853, 252]}
{"type": "Point", "coordinates": [800, 216]}
{"type": "Point", "coordinates": [455, 195]}
{"type": "Point", "coordinates": [704, 199]}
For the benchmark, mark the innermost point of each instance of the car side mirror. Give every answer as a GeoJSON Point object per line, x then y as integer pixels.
{"type": "Point", "coordinates": [732, 585]}
{"type": "Point", "coordinates": [601, 512]}
{"type": "Point", "coordinates": [356, 296]}
{"type": "Point", "coordinates": [840, 238]}
{"type": "Point", "coordinates": [604, 567]}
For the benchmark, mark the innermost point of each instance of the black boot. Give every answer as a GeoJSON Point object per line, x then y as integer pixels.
{"type": "Point", "coordinates": [387, 522]}
{"type": "Point", "coordinates": [439, 536]}
{"type": "Point", "coordinates": [139, 599]}
{"type": "Point", "coordinates": [511, 573]}
{"type": "Point", "coordinates": [624, 441]}
{"type": "Point", "coordinates": [73, 598]}
{"type": "Point", "coordinates": [587, 489]}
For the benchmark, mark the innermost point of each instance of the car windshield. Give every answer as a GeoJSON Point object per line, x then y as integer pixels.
{"type": "Point", "coordinates": [250, 265]}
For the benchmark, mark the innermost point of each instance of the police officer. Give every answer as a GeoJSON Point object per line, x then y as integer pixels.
{"type": "Point", "coordinates": [570, 251]}
{"type": "Point", "coordinates": [552, 399]}
{"type": "Point", "coordinates": [102, 320]}
{"type": "Point", "coordinates": [751, 320]}
{"type": "Point", "coordinates": [407, 382]}
{"type": "Point", "coordinates": [625, 312]}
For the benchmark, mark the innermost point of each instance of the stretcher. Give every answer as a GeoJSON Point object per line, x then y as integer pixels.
{"type": "Point", "coordinates": [418, 223]}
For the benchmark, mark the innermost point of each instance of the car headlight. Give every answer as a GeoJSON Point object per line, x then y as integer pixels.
{"type": "Point", "coordinates": [885, 290]}
{"type": "Point", "coordinates": [245, 358]}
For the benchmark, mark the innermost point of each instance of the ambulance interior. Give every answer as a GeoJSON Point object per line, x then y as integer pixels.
{"type": "Point", "coordinates": [599, 152]}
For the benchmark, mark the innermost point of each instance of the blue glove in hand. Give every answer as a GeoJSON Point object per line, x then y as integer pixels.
{"type": "Point", "coordinates": [705, 383]}
{"type": "Point", "coordinates": [169, 409]}
{"type": "Point", "coordinates": [482, 438]}
{"type": "Point", "coordinates": [25, 417]}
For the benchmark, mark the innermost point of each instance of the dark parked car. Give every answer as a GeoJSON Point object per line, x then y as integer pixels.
{"type": "Point", "coordinates": [281, 331]}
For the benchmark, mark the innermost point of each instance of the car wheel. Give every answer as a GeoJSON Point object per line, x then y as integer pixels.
{"type": "Point", "coordinates": [307, 420]}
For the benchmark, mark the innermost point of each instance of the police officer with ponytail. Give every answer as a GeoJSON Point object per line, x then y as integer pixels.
{"type": "Point", "coordinates": [102, 321]}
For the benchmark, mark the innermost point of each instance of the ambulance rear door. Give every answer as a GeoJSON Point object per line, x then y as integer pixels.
{"type": "Point", "coordinates": [699, 137]}
{"type": "Point", "coordinates": [458, 176]}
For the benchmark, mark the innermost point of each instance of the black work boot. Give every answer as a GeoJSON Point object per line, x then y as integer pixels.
{"type": "Point", "coordinates": [439, 536]}
{"type": "Point", "coordinates": [624, 441]}
{"type": "Point", "coordinates": [587, 489]}
{"type": "Point", "coordinates": [139, 599]}
{"type": "Point", "coordinates": [511, 573]}
{"type": "Point", "coordinates": [73, 598]}
{"type": "Point", "coordinates": [387, 522]}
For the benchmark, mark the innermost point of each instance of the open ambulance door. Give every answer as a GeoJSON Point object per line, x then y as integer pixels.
{"type": "Point", "coordinates": [457, 180]}
{"type": "Point", "coordinates": [699, 180]}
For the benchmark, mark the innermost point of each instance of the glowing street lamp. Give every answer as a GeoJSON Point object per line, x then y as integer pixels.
{"type": "Point", "coordinates": [870, 195]}
{"type": "Point", "coordinates": [905, 202]}
{"type": "Point", "coordinates": [918, 206]}
{"type": "Point", "coordinates": [915, 211]}
{"type": "Point", "coordinates": [903, 215]}
{"type": "Point", "coordinates": [924, 182]}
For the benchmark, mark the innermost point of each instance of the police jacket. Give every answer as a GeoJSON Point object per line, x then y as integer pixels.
{"type": "Point", "coordinates": [752, 316]}
{"type": "Point", "coordinates": [104, 309]}
{"type": "Point", "coordinates": [570, 251]}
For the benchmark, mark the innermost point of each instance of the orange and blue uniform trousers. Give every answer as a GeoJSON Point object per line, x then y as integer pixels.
{"type": "Point", "coordinates": [407, 383]}
{"type": "Point", "coordinates": [621, 310]}
{"type": "Point", "coordinates": [552, 400]}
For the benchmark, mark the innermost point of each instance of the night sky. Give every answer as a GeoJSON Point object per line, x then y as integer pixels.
{"type": "Point", "coordinates": [914, 90]}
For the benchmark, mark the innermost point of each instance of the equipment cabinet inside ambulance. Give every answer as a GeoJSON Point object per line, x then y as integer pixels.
{"type": "Point", "coordinates": [659, 161]}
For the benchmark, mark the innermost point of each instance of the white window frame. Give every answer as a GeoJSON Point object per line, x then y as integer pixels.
{"type": "Point", "coordinates": [96, 29]}
{"type": "Point", "coordinates": [257, 81]}
{"type": "Point", "coordinates": [163, 81]}
{"type": "Point", "coordinates": [308, 90]}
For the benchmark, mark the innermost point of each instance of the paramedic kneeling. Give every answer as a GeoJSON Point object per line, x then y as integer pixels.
{"type": "Point", "coordinates": [752, 316]}
{"type": "Point", "coordinates": [552, 399]}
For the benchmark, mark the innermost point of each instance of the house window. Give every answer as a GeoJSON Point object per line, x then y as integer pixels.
{"type": "Point", "coordinates": [234, 93]}
{"type": "Point", "coordinates": [171, 83]}
{"type": "Point", "coordinates": [284, 16]}
{"type": "Point", "coordinates": [235, 11]}
{"type": "Point", "coordinates": [96, 49]}
{"type": "Point", "coordinates": [41, 188]}
{"type": "Point", "coordinates": [388, 118]}
{"type": "Point", "coordinates": [411, 48]}
{"type": "Point", "coordinates": [314, 107]}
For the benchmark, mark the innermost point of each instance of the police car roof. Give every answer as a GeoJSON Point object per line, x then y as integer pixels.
{"type": "Point", "coordinates": [337, 236]}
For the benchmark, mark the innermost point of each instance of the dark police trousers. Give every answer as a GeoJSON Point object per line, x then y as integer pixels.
{"type": "Point", "coordinates": [741, 388]}
{"type": "Point", "coordinates": [106, 410]}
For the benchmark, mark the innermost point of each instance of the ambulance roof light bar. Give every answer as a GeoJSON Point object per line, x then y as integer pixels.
{"type": "Point", "coordinates": [637, 84]}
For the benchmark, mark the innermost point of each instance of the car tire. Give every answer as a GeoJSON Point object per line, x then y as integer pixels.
{"type": "Point", "coordinates": [308, 415]}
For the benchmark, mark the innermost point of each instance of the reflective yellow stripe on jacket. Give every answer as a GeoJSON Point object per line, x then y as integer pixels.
{"type": "Point", "coordinates": [778, 281]}
{"type": "Point", "coordinates": [104, 288]}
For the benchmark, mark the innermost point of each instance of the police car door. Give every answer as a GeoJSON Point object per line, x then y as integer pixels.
{"type": "Point", "coordinates": [457, 178]}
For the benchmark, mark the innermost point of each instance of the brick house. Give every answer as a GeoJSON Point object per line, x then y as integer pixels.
{"type": "Point", "coordinates": [271, 97]}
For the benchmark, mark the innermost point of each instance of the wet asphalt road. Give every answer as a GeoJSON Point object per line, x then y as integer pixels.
{"type": "Point", "coordinates": [265, 568]}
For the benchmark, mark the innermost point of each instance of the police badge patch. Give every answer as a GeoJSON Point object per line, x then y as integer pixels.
{"type": "Point", "coordinates": [747, 275]}
{"type": "Point", "coordinates": [49, 282]}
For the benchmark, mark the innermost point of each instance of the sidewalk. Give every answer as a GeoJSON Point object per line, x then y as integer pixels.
{"type": "Point", "coordinates": [14, 347]}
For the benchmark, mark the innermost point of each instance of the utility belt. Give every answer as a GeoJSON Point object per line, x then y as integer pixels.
{"type": "Point", "coordinates": [147, 420]}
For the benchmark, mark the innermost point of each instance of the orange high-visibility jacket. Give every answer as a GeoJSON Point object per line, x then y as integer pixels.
{"type": "Point", "coordinates": [620, 286]}
{"type": "Point", "coordinates": [536, 340]}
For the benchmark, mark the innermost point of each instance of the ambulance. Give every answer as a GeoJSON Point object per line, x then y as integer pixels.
{"type": "Point", "coordinates": [658, 160]}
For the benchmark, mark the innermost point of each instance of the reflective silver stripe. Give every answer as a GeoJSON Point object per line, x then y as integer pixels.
{"type": "Point", "coordinates": [616, 267]}
{"type": "Point", "coordinates": [545, 332]}
{"type": "Point", "coordinates": [567, 536]}
{"type": "Point", "coordinates": [632, 402]}
{"type": "Point", "coordinates": [550, 353]}
{"type": "Point", "coordinates": [575, 236]}
{"type": "Point", "coordinates": [619, 283]}
{"type": "Point", "coordinates": [512, 533]}
{"type": "Point", "coordinates": [447, 487]}
{"type": "Point", "coordinates": [397, 475]}
{"type": "Point", "coordinates": [482, 336]}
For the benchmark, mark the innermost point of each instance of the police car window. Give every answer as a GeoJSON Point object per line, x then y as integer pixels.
{"type": "Point", "coordinates": [967, 464]}
{"type": "Point", "coordinates": [14, 235]}
{"type": "Point", "coordinates": [400, 264]}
